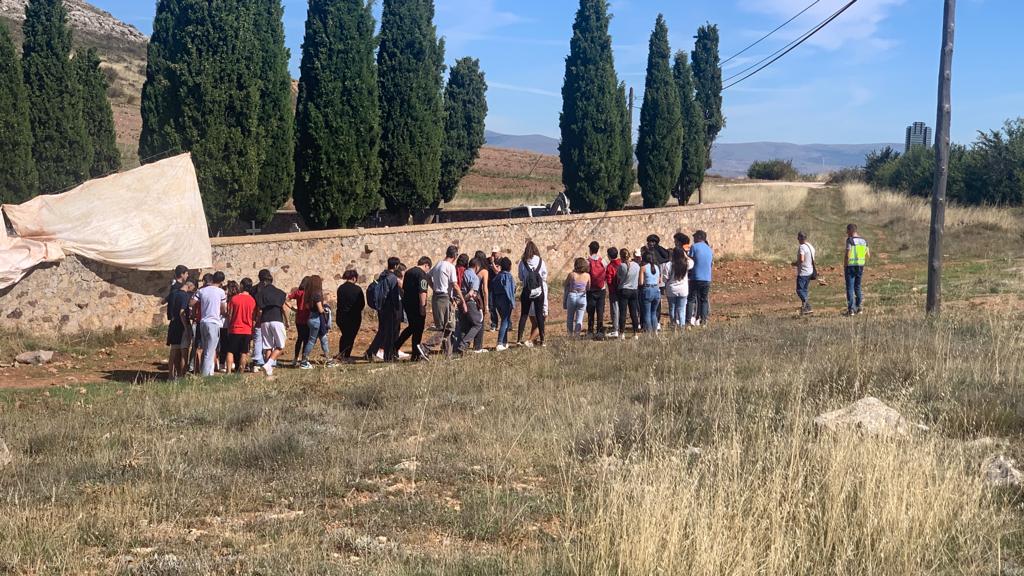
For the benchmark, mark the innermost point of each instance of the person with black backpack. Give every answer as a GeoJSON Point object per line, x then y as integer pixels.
{"type": "Point", "coordinates": [533, 275]}
{"type": "Point", "coordinates": [596, 292]}
{"type": "Point", "coordinates": [385, 296]}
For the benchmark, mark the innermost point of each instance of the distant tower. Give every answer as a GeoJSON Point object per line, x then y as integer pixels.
{"type": "Point", "coordinates": [918, 135]}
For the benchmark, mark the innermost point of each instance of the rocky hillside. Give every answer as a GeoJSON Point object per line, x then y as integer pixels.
{"type": "Point", "coordinates": [123, 49]}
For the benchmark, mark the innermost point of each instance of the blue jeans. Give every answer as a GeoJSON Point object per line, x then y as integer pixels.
{"type": "Point", "coordinates": [677, 310]}
{"type": "Point", "coordinates": [314, 337]}
{"type": "Point", "coordinates": [211, 337]}
{"type": "Point", "coordinates": [575, 308]}
{"type": "Point", "coordinates": [854, 295]}
{"type": "Point", "coordinates": [649, 308]}
{"type": "Point", "coordinates": [803, 284]}
{"type": "Point", "coordinates": [503, 310]}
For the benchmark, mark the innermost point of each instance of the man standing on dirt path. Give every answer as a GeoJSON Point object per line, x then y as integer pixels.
{"type": "Point", "coordinates": [414, 301]}
{"type": "Point", "coordinates": [700, 285]}
{"type": "Point", "coordinates": [389, 313]}
{"type": "Point", "coordinates": [273, 322]}
{"type": "Point", "coordinates": [213, 302]}
{"type": "Point", "coordinates": [806, 271]}
{"type": "Point", "coordinates": [857, 253]}
{"type": "Point", "coordinates": [444, 281]}
{"type": "Point", "coordinates": [596, 295]}
{"type": "Point", "coordinates": [177, 300]}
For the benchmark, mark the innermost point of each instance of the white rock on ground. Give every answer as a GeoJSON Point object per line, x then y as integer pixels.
{"type": "Point", "coordinates": [407, 466]}
{"type": "Point", "coordinates": [35, 358]}
{"type": "Point", "coordinates": [1000, 471]}
{"type": "Point", "coordinates": [5, 454]}
{"type": "Point", "coordinates": [867, 416]}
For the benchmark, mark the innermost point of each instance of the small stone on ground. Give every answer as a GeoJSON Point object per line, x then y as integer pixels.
{"type": "Point", "coordinates": [868, 416]}
{"type": "Point", "coordinates": [35, 358]}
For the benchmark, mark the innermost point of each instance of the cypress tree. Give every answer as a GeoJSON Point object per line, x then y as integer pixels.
{"type": "Point", "coordinates": [61, 146]}
{"type": "Point", "coordinates": [590, 149]}
{"type": "Point", "coordinates": [691, 176]}
{"type": "Point", "coordinates": [276, 116]}
{"type": "Point", "coordinates": [660, 145]}
{"type": "Point", "coordinates": [202, 95]}
{"type": "Point", "coordinates": [627, 177]}
{"type": "Point", "coordinates": [465, 107]}
{"type": "Point", "coordinates": [99, 119]}
{"type": "Point", "coordinates": [337, 146]}
{"type": "Point", "coordinates": [410, 64]}
{"type": "Point", "coordinates": [18, 178]}
{"type": "Point", "coordinates": [707, 74]}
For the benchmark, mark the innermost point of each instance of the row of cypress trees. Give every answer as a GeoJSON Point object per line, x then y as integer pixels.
{"type": "Point", "coordinates": [56, 125]}
{"type": "Point", "coordinates": [680, 118]}
{"type": "Point", "coordinates": [372, 122]}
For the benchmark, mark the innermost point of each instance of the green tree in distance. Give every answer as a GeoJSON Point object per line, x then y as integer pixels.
{"type": "Point", "coordinates": [337, 151]}
{"type": "Point", "coordinates": [691, 174]}
{"type": "Point", "coordinates": [99, 119]}
{"type": "Point", "coordinates": [659, 147]}
{"type": "Point", "coordinates": [18, 178]}
{"type": "Point", "coordinates": [465, 107]}
{"type": "Point", "coordinates": [707, 73]}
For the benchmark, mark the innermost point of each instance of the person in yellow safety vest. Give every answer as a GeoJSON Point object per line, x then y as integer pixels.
{"type": "Point", "coordinates": [857, 253]}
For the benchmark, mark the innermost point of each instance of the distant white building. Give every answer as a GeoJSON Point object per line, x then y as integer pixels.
{"type": "Point", "coordinates": [919, 135]}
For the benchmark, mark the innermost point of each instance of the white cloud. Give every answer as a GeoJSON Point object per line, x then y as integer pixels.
{"type": "Point", "coordinates": [464, 21]}
{"type": "Point", "coordinates": [523, 89]}
{"type": "Point", "coordinates": [859, 24]}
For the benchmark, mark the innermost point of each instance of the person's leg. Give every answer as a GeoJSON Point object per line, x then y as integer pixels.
{"type": "Point", "coordinates": [524, 316]}
{"type": "Point", "coordinates": [476, 327]}
{"type": "Point", "coordinates": [418, 323]}
{"type": "Point", "coordinates": [222, 351]}
{"type": "Point", "coordinates": [858, 278]}
{"type": "Point", "coordinates": [393, 321]}
{"type": "Point", "coordinates": [613, 305]}
{"type": "Point", "coordinates": [312, 335]}
{"type": "Point", "coordinates": [505, 322]}
{"type": "Point", "coordinates": [591, 309]}
{"type": "Point", "coordinates": [257, 352]}
{"type": "Point", "coordinates": [211, 337]}
{"type": "Point", "coordinates": [407, 333]}
{"type": "Point", "coordinates": [705, 303]}
{"type": "Point", "coordinates": [348, 339]}
{"type": "Point", "coordinates": [492, 311]}
{"type": "Point", "coordinates": [850, 297]}
{"type": "Point", "coordinates": [601, 295]}
{"type": "Point", "coordinates": [541, 318]}
{"type": "Point", "coordinates": [681, 311]}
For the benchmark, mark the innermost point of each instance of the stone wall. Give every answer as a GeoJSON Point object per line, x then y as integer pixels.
{"type": "Point", "coordinates": [77, 294]}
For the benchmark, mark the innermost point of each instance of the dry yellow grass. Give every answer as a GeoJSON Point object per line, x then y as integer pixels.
{"type": "Point", "coordinates": [861, 198]}
{"type": "Point", "coordinates": [768, 197]}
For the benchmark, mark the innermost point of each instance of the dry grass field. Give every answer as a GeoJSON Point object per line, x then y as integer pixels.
{"type": "Point", "coordinates": [692, 453]}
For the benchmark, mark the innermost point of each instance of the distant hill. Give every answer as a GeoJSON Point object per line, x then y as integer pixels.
{"type": "Point", "coordinates": [732, 160]}
{"type": "Point", "coordinates": [530, 143]}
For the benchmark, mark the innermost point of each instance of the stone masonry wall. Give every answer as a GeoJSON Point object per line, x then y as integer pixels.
{"type": "Point", "coordinates": [81, 295]}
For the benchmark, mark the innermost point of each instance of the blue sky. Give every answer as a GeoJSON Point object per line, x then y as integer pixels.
{"type": "Point", "coordinates": [861, 80]}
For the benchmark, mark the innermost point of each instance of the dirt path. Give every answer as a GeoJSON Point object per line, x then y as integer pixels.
{"type": "Point", "coordinates": [743, 288]}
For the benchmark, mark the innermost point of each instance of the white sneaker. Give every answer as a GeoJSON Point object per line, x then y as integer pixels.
{"type": "Point", "coordinates": [481, 351]}
{"type": "Point", "coordinates": [380, 355]}
{"type": "Point", "coordinates": [528, 344]}
{"type": "Point", "coordinates": [401, 355]}
{"type": "Point", "coordinates": [268, 369]}
{"type": "Point", "coordinates": [501, 348]}
{"type": "Point", "coordinates": [612, 335]}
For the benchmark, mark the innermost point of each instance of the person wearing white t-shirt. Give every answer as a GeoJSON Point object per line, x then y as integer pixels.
{"type": "Point", "coordinates": [213, 303]}
{"type": "Point", "coordinates": [445, 282]}
{"type": "Point", "coordinates": [805, 272]}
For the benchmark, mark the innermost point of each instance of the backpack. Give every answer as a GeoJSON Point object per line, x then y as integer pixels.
{"type": "Point", "coordinates": [598, 280]}
{"type": "Point", "coordinates": [375, 294]}
{"type": "Point", "coordinates": [533, 284]}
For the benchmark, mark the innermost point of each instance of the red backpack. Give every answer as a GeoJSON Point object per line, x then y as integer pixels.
{"type": "Point", "coordinates": [597, 274]}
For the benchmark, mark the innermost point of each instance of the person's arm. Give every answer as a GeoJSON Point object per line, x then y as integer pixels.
{"type": "Point", "coordinates": [589, 281]}
{"type": "Point", "coordinates": [484, 293]}
{"type": "Point", "coordinates": [231, 315]}
{"type": "Point", "coordinates": [799, 257]}
{"type": "Point", "coordinates": [423, 302]}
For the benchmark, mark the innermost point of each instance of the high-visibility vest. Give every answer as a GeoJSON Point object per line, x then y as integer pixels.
{"type": "Point", "coordinates": [856, 251]}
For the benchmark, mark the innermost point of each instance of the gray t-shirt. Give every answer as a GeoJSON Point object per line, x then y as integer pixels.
{"type": "Point", "coordinates": [210, 299]}
{"type": "Point", "coordinates": [443, 278]}
{"type": "Point", "coordinates": [806, 267]}
{"type": "Point", "coordinates": [629, 272]}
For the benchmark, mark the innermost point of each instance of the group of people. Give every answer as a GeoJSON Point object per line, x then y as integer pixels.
{"type": "Point", "coordinates": [856, 253]}
{"type": "Point", "coordinates": [220, 325]}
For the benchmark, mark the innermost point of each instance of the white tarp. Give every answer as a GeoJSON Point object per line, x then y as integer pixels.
{"type": "Point", "coordinates": [150, 218]}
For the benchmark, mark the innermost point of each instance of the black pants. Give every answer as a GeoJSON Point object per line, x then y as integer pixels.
{"type": "Point", "coordinates": [700, 300]}
{"type": "Point", "coordinates": [629, 305]}
{"type": "Point", "coordinates": [417, 323]}
{"type": "Point", "coordinates": [388, 323]}
{"type": "Point", "coordinates": [595, 305]}
{"type": "Point", "coordinates": [300, 342]}
{"type": "Point", "coordinates": [349, 330]}
{"type": "Point", "coordinates": [524, 314]}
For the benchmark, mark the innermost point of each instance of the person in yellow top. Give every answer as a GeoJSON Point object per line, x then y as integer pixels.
{"type": "Point", "coordinates": [857, 253]}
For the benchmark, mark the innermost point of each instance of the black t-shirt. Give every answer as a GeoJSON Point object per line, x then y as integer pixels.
{"type": "Point", "coordinates": [271, 301]}
{"type": "Point", "coordinates": [176, 302]}
{"type": "Point", "coordinates": [351, 301]}
{"type": "Point", "coordinates": [416, 282]}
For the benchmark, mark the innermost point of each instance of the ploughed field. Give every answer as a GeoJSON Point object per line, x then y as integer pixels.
{"type": "Point", "coordinates": [690, 453]}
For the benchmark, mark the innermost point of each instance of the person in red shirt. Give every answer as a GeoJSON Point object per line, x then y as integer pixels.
{"type": "Point", "coordinates": [241, 312]}
{"type": "Point", "coordinates": [611, 279]}
{"type": "Point", "coordinates": [301, 318]}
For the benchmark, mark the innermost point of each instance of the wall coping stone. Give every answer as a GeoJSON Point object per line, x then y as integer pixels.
{"type": "Point", "coordinates": [352, 232]}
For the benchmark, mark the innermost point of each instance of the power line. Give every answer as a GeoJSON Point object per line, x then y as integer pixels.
{"type": "Point", "coordinates": [790, 47]}
{"type": "Point", "coordinates": [765, 37]}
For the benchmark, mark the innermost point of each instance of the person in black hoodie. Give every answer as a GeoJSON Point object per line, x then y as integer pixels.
{"type": "Point", "coordinates": [389, 315]}
{"type": "Point", "coordinates": [661, 257]}
{"type": "Point", "coordinates": [351, 302]}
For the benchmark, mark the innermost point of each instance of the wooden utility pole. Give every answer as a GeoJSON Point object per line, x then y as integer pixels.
{"type": "Point", "coordinates": [631, 113]}
{"type": "Point", "coordinates": [934, 304]}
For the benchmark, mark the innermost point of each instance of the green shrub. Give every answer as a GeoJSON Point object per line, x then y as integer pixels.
{"type": "Point", "coordinates": [773, 170]}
